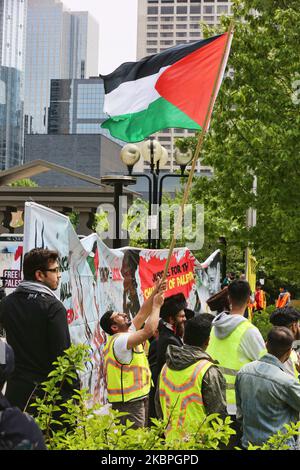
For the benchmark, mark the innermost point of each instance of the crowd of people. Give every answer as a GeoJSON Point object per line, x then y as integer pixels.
{"type": "Point", "coordinates": [167, 362]}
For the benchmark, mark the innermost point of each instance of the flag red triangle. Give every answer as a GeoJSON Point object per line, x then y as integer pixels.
{"type": "Point", "coordinates": [188, 84]}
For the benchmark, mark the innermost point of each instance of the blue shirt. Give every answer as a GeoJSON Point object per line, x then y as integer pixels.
{"type": "Point", "coordinates": [267, 398]}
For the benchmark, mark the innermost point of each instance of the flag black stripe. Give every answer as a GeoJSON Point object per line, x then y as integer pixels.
{"type": "Point", "coordinates": [130, 71]}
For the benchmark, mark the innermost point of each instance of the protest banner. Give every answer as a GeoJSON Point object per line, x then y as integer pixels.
{"type": "Point", "coordinates": [96, 278]}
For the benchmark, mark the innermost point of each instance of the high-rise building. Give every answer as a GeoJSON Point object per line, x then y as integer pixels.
{"type": "Point", "coordinates": [12, 60]}
{"type": "Point", "coordinates": [76, 107]}
{"type": "Point", "coordinates": [60, 45]}
{"type": "Point", "coordinates": [165, 23]}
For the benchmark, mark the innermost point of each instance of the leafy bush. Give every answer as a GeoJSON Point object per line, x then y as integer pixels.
{"type": "Point", "coordinates": [262, 321]}
{"type": "Point", "coordinates": [96, 427]}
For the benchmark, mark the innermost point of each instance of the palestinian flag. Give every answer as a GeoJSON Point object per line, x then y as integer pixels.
{"type": "Point", "coordinates": [169, 89]}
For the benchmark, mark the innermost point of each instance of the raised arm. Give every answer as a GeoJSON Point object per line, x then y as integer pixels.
{"type": "Point", "coordinates": [147, 306]}
{"type": "Point", "coordinates": [140, 336]}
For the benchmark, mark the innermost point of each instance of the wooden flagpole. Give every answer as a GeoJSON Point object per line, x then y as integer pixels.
{"type": "Point", "coordinates": [198, 149]}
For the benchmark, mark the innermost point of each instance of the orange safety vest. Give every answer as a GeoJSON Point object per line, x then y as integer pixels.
{"type": "Point", "coordinates": [283, 300]}
{"type": "Point", "coordinates": [260, 300]}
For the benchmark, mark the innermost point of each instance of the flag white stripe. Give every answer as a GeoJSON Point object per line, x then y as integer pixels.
{"type": "Point", "coordinates": [134, 96]}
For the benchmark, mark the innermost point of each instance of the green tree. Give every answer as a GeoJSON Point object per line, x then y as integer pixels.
{"type": "Point", "coordinates": [255, 130]}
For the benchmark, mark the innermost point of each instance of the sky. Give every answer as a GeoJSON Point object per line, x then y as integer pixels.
{"type": "Point", "coordinates": [117, 27]}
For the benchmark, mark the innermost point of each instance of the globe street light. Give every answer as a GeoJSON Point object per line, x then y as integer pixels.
{"type": "Point", "coordinates": [157, 156]}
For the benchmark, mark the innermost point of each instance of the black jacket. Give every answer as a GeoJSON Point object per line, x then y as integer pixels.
{"type": "Point", "coordinates": [37, 329]}
{"type": "Point", "coordinates": [166, 337]}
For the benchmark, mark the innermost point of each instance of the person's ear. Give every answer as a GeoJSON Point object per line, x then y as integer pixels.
{"type": "Point", "coordinates": [39, 276]}
{"type": "Point", "coordinates": [114, 329]}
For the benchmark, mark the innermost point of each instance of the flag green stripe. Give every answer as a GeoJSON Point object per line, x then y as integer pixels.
{"type": "Point", "coordinates": [159, 115]}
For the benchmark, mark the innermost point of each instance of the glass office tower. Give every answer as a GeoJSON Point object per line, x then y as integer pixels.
{"type": "Point", "coordinates": [76, 107]}
{"type": "Point", "coordinates": [58, 47]}
{"type": "Point", "coordinates": [12, 59]}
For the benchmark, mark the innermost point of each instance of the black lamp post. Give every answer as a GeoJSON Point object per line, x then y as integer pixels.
{"type": "Point", "coordinates": [117, 181]}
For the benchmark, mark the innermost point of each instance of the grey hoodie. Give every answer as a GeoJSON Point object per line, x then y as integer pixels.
{"type": "Point", "coordinates": [213, 385]}
{"type": "Point", "coordinates": [252, 345]}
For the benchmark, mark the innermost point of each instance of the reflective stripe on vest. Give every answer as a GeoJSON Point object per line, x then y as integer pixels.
{"type": "Point", "coordinates": [225, 351]}
{"type": "Point", "coordinates": [282, 300]}
{"type": "Point", "coordinates": [126, 382]}
{"type": "Point", "coordinates": [181, 396]}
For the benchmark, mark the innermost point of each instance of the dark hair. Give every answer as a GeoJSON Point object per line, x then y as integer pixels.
{"type": "Point", "coordinates": [239, 291]}
{"type": "Point", "coordinates": [197, 329]}
{"type": "Point", "coordinates": [284, 316]}
{"type": "Point", "coordinates": [279, 340]}
{"type": "Point", "coordinates": [7, 362]}
{"type": "Point", "coordinates": [37, 259]}
{"type": "Point", "coordinates": [106, 322]}
{"type": "Point", "coordinates": [172, 305]}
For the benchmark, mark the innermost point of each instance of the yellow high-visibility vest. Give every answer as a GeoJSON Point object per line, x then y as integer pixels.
{"type": "Point", "coordinates": [295, 360]}
{"type": "Point", "coordinates": [180, 395]}
{"type": "Point", "coordinates": [126, 382]}
{"type": "Point", "coordinates": [225, 351]}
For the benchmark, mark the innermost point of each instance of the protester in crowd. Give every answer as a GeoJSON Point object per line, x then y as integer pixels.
{"type": "Point", "coordinates": [190, 372]}
{"type": "Point", "coordinates": [126, 366]}
{"type": "Point", "coordinates": [226, 281]}
{"type": "Point", "coordinates": [171, 328]}
{"type": "Point", "coordinates": [284, 298]}
{"type": "Point", "coordinates": [260, 298]}
{"type": "Point", "coordinates": [235, 341]}
{"type": "Point", "coordinates": [268, 397]}
{"type": "Point", "coordinates": [290, 318]}
{"type": "Point", "coordinates": [18, 431]}
{"type": "Point", "coordinates": [36, 327]}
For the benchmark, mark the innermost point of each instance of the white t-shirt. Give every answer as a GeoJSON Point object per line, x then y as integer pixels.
{"type": "Point", "coordinates": [123, 355]}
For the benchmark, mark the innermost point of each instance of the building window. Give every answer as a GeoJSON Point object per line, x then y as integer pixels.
{"type": "Point", "coordinates": [208, 18]}
{"type": "Point", "coordinates": [180, 35]}
{"type": "Point", "coordinates": [165, 19]}
{"type": "Point", "coordinates": [151, 35]}
{"type": "Point", "coordinates": [222, 9]}
{"type": "Point", "coordinates": [181, 18]}
{"type": "Point", "coordinates": [151, 43]}
{"type": "Point", "coordinates": [194, 26]}
{"type": "Point", "coordinates": [195, 34]}
{"type": "Point", "coordinates": [166, 35]}
{"type": "Point", "coordinates": [152, 18]}
{"type": "Point", "coordinates": [151, 51]}
{"type": "Point", "coordinates": [152, 10]}
{"type": "Point", "coordinates": [167, 26]}
{"type": "Point", "coordinates": [152, 26]}
{"type": "Point", "coordinates": [181, 10]}
{"type": "Point", "coordinates": [167, 10]}
{"type": "Point", "coordinates": [208, 9]}
{"type": "Point", "coordinates": [195, 9]}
